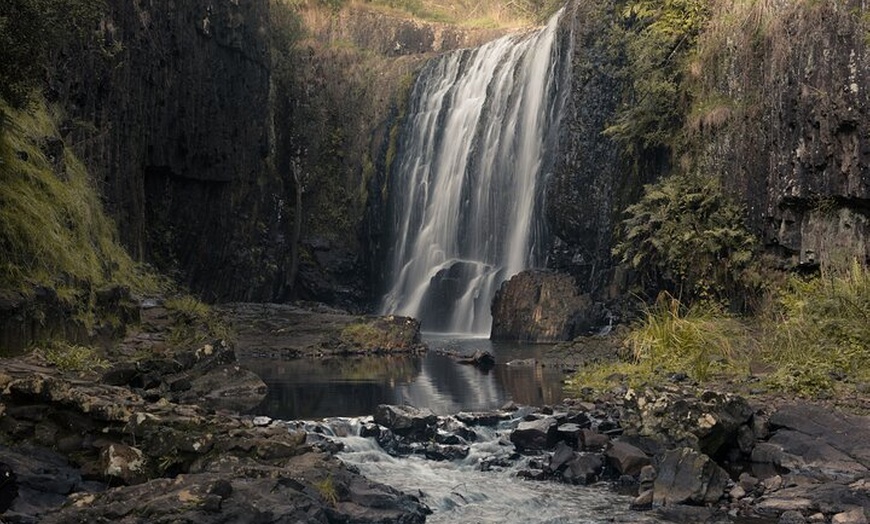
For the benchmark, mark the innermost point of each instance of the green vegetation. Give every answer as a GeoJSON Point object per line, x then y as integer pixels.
{"type": "Point", "coordinates": [659, 37]}
{"type": "Point", "coordinates": [53, 232]}
{"type": "Point", "coordinates": [195, 323]}
{"type": "Point", "coordinates": [812, 339]}
{"type": "Point", "coordinates": [673, 338]}
{"type": "Point", "coordinates": [686, 236]}
{"type": "Point", "coordinates": [817, 335]}
{"type": "Point", "coordinates": [327, 490]}
{"type": "Point", "coordinates": [73, 357]}
{"type": "Point", "coordinates": [489, 14]}
{"type": "Point", "coordinates": [29, 31]}
{"type": "Point", "coordinates": [380, 334]}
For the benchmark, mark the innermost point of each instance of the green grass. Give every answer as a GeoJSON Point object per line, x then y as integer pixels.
{"type": "Point", "coordinates": [73, 357]}
{"type": "Point", "coordinates": [817, 335]}
{"type": "Point", "coordinates": [196, 323]}
{"type": "Point", "coordinates": [327, 490]}
{"type": "Point", "coordinates": [699, 340]}
{"type": "Point", "coordinates": [53, 231]}
{"type": "Point", "coordinates": [811, 340]}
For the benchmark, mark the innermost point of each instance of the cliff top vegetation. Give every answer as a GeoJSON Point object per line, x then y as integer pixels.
{"type": "Point", "coordinates": [490, 14]}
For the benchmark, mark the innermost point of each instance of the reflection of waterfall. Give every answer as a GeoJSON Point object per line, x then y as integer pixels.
{"type": "Point", "coordinates": [465, 189]}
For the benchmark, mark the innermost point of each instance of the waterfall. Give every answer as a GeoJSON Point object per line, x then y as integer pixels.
{"type": "Point", "coordinates": [466, 187]}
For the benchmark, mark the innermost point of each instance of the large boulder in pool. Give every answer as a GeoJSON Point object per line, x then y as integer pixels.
{"type": "Point", "coordinates": [542, 306]}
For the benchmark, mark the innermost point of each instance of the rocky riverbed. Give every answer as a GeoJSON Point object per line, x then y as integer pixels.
{"type": "Point", "coordinates": [159, 435]}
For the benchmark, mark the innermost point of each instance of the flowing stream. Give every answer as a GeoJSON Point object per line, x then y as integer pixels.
{"type": "Point", "coordinates": [466, 191]}
{"type": "Point", "coordinates": [466, 491]}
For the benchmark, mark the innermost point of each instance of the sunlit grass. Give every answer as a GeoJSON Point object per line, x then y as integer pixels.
{"type": "Point", "coordinates": [812, 339]}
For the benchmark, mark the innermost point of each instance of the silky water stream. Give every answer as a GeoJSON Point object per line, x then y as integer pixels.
{"type": "Point", "coordinates": [334, 399]}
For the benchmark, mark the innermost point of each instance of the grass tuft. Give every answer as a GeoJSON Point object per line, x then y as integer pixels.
{"type": "Point", "coordinates": [73, 357]}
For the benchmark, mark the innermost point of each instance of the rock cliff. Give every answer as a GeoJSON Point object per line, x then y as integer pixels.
{"type": "Point", "coordinates": [776, 108]}
{"type": "Point", "coordinates": [255, 172]}
{"type": "Point", "coordinates": [235, 144]}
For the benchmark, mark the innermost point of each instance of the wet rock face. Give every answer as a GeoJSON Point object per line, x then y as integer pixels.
{"type": "Point", "coordinates": [804, 171]}
{"type": "Point", "coordinates": [590, 185]}
{"type": "Point", "coordinates": [170, 111]}
{"type": "Point", "coordinates": [542, 306]}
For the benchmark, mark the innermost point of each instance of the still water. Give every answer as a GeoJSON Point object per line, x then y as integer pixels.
{"type": "Point", "coordinates": [354, 386]}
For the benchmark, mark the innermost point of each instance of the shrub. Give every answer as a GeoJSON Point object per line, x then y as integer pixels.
{"type": "Point", "coordinates": [685, 236]}
{"type": "Point", "coordinates": [71, 357]}
{"type": "Point", "coordinates": [658, 37]}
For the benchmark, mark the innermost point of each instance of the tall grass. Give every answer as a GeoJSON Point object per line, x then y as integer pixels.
{"type": "Point", "coordinates": [698, 340]}
{"type": "Point", "coordinates": [53, 231]}
{"type": "Point", "coordinates": [817, 335]}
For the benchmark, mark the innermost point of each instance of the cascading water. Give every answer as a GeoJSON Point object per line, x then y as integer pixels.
{"type": "Point", "coordinates": [466, 181]}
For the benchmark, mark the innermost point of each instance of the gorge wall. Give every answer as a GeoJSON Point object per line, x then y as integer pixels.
{"type": "Point", "coordinates": [776, 107]}
{"type": "Point", "coordinates": [247, 148]}
{"type": "Point", "coordinates": [235, 143]}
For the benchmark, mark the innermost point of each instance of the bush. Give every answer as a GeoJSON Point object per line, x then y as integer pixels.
{"type": "Point", "coordinates": [659, 36]}
{"type": "Point", "coordinates": [71, 357]}
{"type": "Point", "coordinates": [685, 236]}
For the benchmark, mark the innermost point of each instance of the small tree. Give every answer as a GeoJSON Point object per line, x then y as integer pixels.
{"type": "Point", "coordinates": [687, 237]}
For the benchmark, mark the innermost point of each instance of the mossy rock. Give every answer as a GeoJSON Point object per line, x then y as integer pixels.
{"type": "Point", "coordinates": [381, 334]}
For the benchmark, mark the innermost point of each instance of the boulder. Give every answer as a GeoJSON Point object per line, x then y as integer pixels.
{"type": "Point", "coordinates": [853, 516]}
{"type": "Point", "coordinates": [626, 459]}
{"type": "Point", "coordinates": [706, 422]}
{"type": "Point", "coordinates": [593, 440]}
{"type": "Point", "coordinates": [570, 434]}
{"type": "Point", "coordinates": [535, 434]}
{"type": "Point", "coordinates": [482, 360]}
{"type": "Point", "coordinates": [688, 477]}
{"type": "Point", "coordinates": [829, 498]}
{"type": "Point", "coordinates": [542, 306]}
{"type": "Point", "coordinates": [792, 517]}
{"type": "Point", "coordinates": [818, 442]}
{"type": "Point", "coordinates": [124, 463]}
{"type": "Point", "coordinates": [583, 469]}
{"type": "Point", "coordinates": [441, 452]}
{"type": "Point", "coordinates": [562, 454]}
{"type": "Point", "coordinates": [406, 420]}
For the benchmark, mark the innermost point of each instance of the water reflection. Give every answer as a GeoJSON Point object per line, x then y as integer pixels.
{"type": "Point", "coordinates": [354, 386]}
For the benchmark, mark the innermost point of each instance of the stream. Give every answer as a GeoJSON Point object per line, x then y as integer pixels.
{"type": "Point", "coordinates": [335, 397]}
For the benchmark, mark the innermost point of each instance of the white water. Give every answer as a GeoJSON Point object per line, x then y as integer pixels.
{"type": "Point", "coordinates": [458, 491]}
{"type": "Point", "coordinates": [466, 182]}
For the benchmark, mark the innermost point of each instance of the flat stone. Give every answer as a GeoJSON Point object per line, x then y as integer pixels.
{"type": "Point", "coordinates": [627, 459]}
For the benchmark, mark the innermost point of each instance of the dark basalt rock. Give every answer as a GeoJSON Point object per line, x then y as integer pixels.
{"type": "Point", "coordinates": [541, 306]}
{"type": "Point", "coordinates": [708, 422]}
{"type": "Point", "coordinates": [8, 486]}
{"type": "Point", "coordinates": [583, 469]}
{"type": "Point", "coordinates": [688, 477]}
{"type": "Point", "coordinates": [406, 420]}
{"type": "Point", "coordinates": [165, 461]}
{"type": "Point", "coordinates": [626, 459]}
{"type": "Point", "coordinates": [536, 434]}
